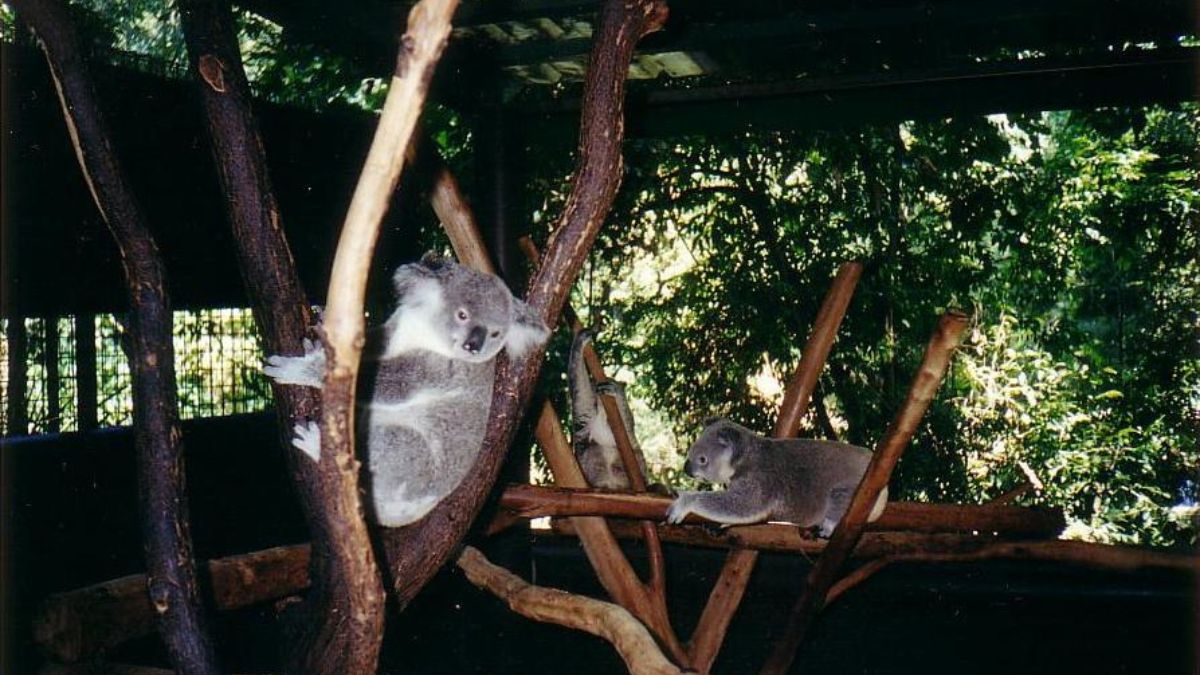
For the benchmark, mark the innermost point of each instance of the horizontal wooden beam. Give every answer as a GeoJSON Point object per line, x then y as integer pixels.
{"type": "Point", "coordinates": [533, 501]}
{"type": "Point", "coordinates": [1135, 78]}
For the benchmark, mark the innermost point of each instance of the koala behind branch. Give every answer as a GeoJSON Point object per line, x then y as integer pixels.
{"type": "Point", "coordinates": [592, 436]}
{"type": "Point", "coordinates": [426, 383]}
{"type": "Point", "coordinates": [806, 482]}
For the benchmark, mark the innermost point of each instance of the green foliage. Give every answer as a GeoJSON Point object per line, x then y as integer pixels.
{"type": "Point", "coordinates": [1071, 236]}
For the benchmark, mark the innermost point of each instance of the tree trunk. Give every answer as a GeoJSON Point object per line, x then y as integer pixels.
{"type": "Point", "coordinates": [162, 504]}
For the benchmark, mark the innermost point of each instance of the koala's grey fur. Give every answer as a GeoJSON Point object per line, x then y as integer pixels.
{"type": "Point", "coordinates": [427, 383]}
{"type": "Point", "coordinates": [801, 481]}
{"type": "Point", "coordinates": [592, 437]}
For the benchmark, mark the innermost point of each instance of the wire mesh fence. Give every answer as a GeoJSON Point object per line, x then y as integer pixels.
{"type": "Point", "coordinates": [53, 379]}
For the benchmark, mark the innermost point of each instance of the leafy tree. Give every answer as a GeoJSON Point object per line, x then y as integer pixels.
{"type": "Point", "coordinates": [1071, 236]}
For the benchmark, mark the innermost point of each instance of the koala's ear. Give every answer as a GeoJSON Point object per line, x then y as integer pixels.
{"type": "Point", "coordinates": [434, 261]}
{"type": "Point", "coordinates": [408, 276]}
{"type": "Point", "coordinates": [526, 332]}
{"type": "Point", "coordinates": [709, 421]}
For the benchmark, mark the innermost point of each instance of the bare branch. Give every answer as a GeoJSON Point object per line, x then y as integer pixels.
{"type": "Point", "coordinates": [550, 605]}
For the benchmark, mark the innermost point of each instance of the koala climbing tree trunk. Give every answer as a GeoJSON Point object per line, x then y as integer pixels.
{"type": "Point", "coordinates": [339, 626]}
{"type": "Point", "coordinates": [417, 551]}
{"type": "Point", "coordinates": [171, 581]}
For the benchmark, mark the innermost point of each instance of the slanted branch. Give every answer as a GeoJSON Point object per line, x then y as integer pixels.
{"type": "Point", "coordinates": [887, 453]}
{"type": "Point", "coordinates": [549, 605]}
{"type": "Point", "coordinates": [162, 500]}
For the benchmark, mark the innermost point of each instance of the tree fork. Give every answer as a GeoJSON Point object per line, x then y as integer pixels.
{"type": "Point", "coordinates": [171, 579]}
{"type": "Point", "coordinates": [417, 551]}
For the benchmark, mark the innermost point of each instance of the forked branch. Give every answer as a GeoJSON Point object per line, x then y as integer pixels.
{"type": "Point", "coordinates": [417, 551]}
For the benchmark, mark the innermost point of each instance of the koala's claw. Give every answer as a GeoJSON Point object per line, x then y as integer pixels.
{"type": "Point", "coordinates": [679, 509]}
{"type": "Point", "coordinates": [307, 439]}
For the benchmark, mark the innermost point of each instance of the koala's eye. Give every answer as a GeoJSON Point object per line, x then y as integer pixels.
{"type": "Point", "coordinates": [462, 314]}
{"type": "Point", "coordinates": [702, 459]}
{"type": "Point", "coordinates": [495, 333]}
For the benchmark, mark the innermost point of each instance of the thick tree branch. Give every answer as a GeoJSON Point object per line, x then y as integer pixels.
{"type": "Point", "coordinates": [162, 501]}
{"type": "Point", "coordinates": [340, 625]}
{"type": "Point", "coordinates": [536, 501]}
{"type": "Point", "coordinates": [550, 605]}
{"type": "Point", "coordinates": [355, 575]}
{"type": "Point", "coordinates": [845, 537]}
{"type": "Point", "coordinates": [417, 551]}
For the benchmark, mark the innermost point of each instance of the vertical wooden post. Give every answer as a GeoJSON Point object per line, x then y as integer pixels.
{"type": "Point", "coordinates": [17, 416]}
{"type": "Point", "coordinates": [86, 405]}
{"type": "Point", "coordinates": [727, 593]}
{"type": "Point", "coordinates": [53, 377]}
{"type": "Point", "coordinates": [845, 537]}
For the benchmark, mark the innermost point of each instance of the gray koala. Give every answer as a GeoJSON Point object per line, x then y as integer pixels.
{"type": "Point", "coordinates": [426, 382]}
{"type": "Point", "coordinates": [592, 437]}
{"type": "Point", "coordinates": [801, 481]}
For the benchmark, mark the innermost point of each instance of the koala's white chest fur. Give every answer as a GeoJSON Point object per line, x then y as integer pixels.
{"type": "Point", "coordinates": [426, 386]}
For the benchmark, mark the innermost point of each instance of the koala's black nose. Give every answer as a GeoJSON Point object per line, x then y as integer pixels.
{"type": "Point", "coordinates": [475, 339]}
{"type": "Point", "coordinates": [688, 468]}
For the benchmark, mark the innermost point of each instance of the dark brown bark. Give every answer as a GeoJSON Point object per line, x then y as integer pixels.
{"type": "Point", "coordinates": [845, 537]}
{"type": "Point", "coordinates": [417, 551]}
{"type": "Point", "coordinates": [172, 578]}
{"type": "Point", "coordinates": [329, 631]}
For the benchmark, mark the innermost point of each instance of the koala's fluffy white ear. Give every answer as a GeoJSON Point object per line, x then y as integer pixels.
{"type": "Point", "coordinates": [409, 275]}
{"type": "Point", "coordinates": [526, 332]}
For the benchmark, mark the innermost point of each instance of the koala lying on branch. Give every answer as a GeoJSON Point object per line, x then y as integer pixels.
{"type": "Point", "coordinates": [805, 482]}
{"type": "Point", "coordinates": [426, 382]}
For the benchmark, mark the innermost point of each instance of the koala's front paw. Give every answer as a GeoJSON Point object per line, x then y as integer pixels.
{"type": "Point", "coordinates": [307, 439]}
{"type": "Point", "coordinates": [826, 528]}
{"type": "Point", "coordinates": [680, 508]}
{"type": "Point", "coordinates": [304, 370]}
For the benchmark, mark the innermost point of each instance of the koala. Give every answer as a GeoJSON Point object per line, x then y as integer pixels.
{"type": "Point", "coordinates": [426, 382]}
{"type": "Point", "coordinates": [592, 437]}
{"type": "Point", "coordinates": [806, 482]}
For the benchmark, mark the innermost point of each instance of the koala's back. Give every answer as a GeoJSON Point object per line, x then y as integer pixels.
{"type": "Point", "coordinates": [422, 429]}
{"type": "Point", "coordinates": [802, 472]}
